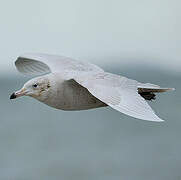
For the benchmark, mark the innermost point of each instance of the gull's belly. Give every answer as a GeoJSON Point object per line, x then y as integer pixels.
{"type": "Point", "coordinates": [72, 96]}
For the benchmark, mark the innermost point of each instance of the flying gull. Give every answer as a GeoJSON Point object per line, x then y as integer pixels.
{"type": "Point", "coordinates": [67, 84]}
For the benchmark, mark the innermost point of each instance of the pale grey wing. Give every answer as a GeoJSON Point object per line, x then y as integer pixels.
{"type": "Point", "coordinates": [36, 64]}
{"type": "Point", "coordinates": [120, 93]}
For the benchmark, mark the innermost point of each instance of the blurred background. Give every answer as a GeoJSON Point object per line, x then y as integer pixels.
{"type": "Point", "coordinates": [138, 39]}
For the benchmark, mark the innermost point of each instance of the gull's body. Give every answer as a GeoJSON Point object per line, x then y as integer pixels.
{"type": "Point", "coordinates": [74, 85]}
{"type": "Point", "coordinates": [68, 95]}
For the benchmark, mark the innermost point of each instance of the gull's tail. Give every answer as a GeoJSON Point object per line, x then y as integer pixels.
{"type": "Point", "coordinates": [147, 91]}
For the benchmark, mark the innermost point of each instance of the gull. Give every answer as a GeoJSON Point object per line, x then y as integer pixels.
{"type": "Point", "coordinates": [67, 84]}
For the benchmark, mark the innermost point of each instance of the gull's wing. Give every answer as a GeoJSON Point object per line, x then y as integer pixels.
{"type": "Point", "coordinates": [120, 93]}
{"type": "Point", "coordinates": [36, 64]}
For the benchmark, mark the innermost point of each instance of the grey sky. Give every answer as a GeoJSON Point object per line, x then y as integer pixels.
{"type": "Point", "coordinates": [100, 31]}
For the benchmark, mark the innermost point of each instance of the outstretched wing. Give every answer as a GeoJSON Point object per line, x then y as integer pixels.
{"type": "Point", "coordinates": [36, 64]}
{"type": "Point", "coordinates": [120, 93]}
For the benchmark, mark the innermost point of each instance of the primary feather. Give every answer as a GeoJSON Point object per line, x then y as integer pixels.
{"type": "Point", "coordinates": [36, 64]}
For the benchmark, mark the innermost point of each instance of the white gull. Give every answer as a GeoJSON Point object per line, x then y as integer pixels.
{"type": "Point", "coordinates": [68, 84]}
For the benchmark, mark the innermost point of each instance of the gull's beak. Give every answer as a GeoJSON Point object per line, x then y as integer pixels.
{"type": "Point", "coordinates": [21, 92]}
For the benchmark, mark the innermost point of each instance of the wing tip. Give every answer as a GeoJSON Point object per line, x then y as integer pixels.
{"type": "Point", "coordinates": [160, 120]}
{"type": "Point", "coordinates": [153, 120]}
{"type": "Point", "coordinates": [156, 119]}
{"type": "Point", "coordinates": [28, 64]}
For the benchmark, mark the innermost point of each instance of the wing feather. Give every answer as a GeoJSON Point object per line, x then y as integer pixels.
{"type": "Point", "coordinates": [36, 64]}
{"type": "Point", "coordinates": [120, 93]}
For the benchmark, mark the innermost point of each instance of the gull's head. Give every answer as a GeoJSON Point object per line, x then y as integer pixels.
{"type": "Point", "coordinates": [37, 88]}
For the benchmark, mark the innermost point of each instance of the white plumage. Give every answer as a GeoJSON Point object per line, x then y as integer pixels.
{"type": "Point", "coordinates": [95, 86]}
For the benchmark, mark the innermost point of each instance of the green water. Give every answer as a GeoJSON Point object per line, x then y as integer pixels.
{"type": "Point", "coordinates": [41, 143]}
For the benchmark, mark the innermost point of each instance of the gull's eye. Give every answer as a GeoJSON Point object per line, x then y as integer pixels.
{"type": "Point", "coordinates": [35, 85]}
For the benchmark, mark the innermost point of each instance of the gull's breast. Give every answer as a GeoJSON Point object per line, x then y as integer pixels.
{"type": "Point", "coordinates": [70, 95]}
